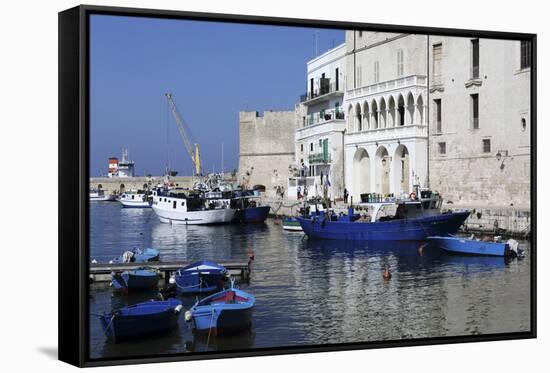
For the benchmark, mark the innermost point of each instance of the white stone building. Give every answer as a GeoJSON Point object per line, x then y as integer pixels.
{"type": "Point", "coordinates": [320, 126]}
{"type": "Point", "coordinates": [480, 153]}
{"type": "Point", "coordinates": [386, 139]}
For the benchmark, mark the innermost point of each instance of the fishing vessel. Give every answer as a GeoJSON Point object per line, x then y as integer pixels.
{"type": "Point", "coordinates": [135, 199]}
{"type": "Point", "coordinates": [100, 195]}
{"type": "Point", "coordinates": [178, 206]}
{"type": "Point", "coordinates": [411, 219]}
{"type": "Point", "coordinates": [249, 209]}
{"type": "Point", "coordinates": [226, 312]}
{"type": "Point", "coordinates": [141, 319]}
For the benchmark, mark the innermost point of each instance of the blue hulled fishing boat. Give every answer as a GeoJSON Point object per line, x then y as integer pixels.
{"type": "Point", "coordinates": [200, 277]}
{"type": "Point", "coordinates": [141, 319]}
{"type": "Point", "coordinates": [461, 245]}
{"type": "Point", "coordinates": [135, 280]}
{"type": "Point", "coordinates": [411, 219]}
{"type": "Point", "coordinates": [248, 207]}
{"type": "Point", "coordinates": [226, 312]}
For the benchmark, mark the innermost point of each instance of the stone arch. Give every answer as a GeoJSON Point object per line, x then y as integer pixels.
{"type": "Point", "coordinates": [410, 109]}
{"type": "Point", "coordinates": [121, 188]}
{"type": "Point", "coordinates": [420, 109]}
{"type": "Point", "coordinates": [99, 186]}
{"type": "Point", "coordinates": [361, 173]}
{"type": "Point", "coordinates": [382, 170]}
{"type": "Point", "coordinates": [400, 110]}
{"type": "Point", "coordinates": [401, 170]}
{"type": "Point", "coordinates": [358, 118]}
{"type": "Point", "coordinates": [383, 113]}
{"type": "Point", "coordinates": [374, 114]}
{"type": "Point", "coordinates": [390, 120]}
{"type": "Point", "coordinates": [366, 114]}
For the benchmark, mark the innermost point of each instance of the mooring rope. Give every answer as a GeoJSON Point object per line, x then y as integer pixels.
{"type": "Point", "coordinates": [209, 330]}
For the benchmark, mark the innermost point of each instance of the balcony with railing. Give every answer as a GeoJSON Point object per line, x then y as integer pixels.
{"type": "Point", "coordinates": [319, 158]}
{"type": "Point", "coordinates": [324, 116]}
{"type": "Point", "coordinates": [325, 91]}
{"type": "Point", "coordinates": [389, 85]}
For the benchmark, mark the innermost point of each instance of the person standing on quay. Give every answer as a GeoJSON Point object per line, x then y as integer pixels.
{"type": "Point", "coordinates": [346, 194]}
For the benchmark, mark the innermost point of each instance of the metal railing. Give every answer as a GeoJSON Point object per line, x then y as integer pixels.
{"type": "Point", "coordinates": [324, 116]}
{"type": "Point", "coordinates": [320, 158]}
{"type": "Point", "coordinates": [325, 89]}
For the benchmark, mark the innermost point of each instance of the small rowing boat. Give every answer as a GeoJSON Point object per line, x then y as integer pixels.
{"type": "Point", "coordinates": [141, 319]}
{"type": "Point", "coordinates": [136, 280]}
{"type": "Point", "coordinates": [200, 277]}
{"type": "Point", "coordinates": [460, 245]}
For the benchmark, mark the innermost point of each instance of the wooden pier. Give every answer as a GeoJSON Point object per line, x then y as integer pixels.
{"type": "Point", "coordinates": [102, 272]}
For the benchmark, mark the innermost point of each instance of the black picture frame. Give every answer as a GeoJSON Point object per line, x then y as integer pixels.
{"type": "Point", "coordinates": [74, 174]}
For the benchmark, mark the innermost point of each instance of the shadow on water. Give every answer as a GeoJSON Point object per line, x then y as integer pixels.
{"type": "Point", "coordinates": [202, 343]}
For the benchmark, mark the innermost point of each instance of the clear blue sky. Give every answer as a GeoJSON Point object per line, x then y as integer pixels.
{"type": "Point", "coordinates": [214, 70]}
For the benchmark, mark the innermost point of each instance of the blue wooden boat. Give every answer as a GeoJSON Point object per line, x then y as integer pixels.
{"type": "Point", "coordinates": [411, 220]}
{"type": "Point", "coordinates": [460, 245]}
{"type": "Point", "coordinates": [226, 312]}
{"type": "Point", "coordinates": [135, 280]}
{"type": "Point", "coordinates": [200, 277]}
{"type": "Point", "coordinates": [141, 319]}
{"type": "Point", "coordinates": [248, 209]}
{"type": "Point", "coordinates": [138, 255]}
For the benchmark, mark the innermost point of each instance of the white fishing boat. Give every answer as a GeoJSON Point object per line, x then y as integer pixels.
{"type": "Point", "coordinates": [135, 198]}
{"type": "Point", "coordinates": [99, 195]}
{"type": "Point", "coordinates": [177, 206]}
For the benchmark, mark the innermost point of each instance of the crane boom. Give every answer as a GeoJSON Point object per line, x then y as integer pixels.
{"type": "Point", "coordinates": [193, 153]}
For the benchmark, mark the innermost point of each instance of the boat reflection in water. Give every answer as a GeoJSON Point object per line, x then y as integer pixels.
{"type": "Point", "coordinates": [201, 342]}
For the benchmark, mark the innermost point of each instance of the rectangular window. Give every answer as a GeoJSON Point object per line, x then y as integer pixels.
{"type": "Point", "coordinates": [301, 148]}
{"type": "Point", "coordinates": [486, 145]}
{"type": "Point", "coordinates": [311, 147]}
{"type": "Point", "coordinates": [442, 148]}
{"type": "Point", "coordinates": [337, 79]}
{"type": "Point", "coordinates": [359, 77]}
{"type": "Point", "coordinates": [436, 68]}
{"type": "Point", "coordinates": [437, 115]}
{"type": "Point", "coordinates": [400, 62]}
{"type": "Point", "coordinates": [525, 60]}
{"type": "Point", "coordinates": [475, 58]}
{"type": "Point", "coordinates": [376, 71]}
{"type": "Point", "coordinates": [475, 110]}
{"type": "Point", "coordinates": [360, 33]}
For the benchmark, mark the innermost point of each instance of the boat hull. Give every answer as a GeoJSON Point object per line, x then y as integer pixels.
{"type": "Point", "coordinates": [122, 325]}
{"type": "Point", "coordinates": [252, 214]}
{"type": "Point", "coordinates": [134, 281]}
{"type": "Point", "coordinates": [395, 230]}
{"type": "Point", "coordinates": [217, 216]}
{"type": "Point", "coordinates": [292, 224]}
{"type": "Point", "coordinates": [223, 318]}
{"type": "Point", "coordinates": [135, 204]}
{"type": "Point", "coordinates": [463, 246]}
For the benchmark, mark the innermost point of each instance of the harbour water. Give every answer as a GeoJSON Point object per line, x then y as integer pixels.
{"type": "Point", "coordinates": [315, 292]}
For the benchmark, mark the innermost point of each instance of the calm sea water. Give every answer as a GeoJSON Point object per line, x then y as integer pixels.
{"type": "Point", "coordinates": [315, 292]}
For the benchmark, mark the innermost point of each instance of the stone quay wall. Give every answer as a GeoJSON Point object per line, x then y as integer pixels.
{"type": "Point", "coordinates": [114, 185]}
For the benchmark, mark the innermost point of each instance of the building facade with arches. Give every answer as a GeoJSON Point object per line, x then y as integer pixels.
{"type": "Point", "coordinates": [386, 138]}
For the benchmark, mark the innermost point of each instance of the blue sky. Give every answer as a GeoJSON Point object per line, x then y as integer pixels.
{"type": "Point", "coordinates": [214, 70]}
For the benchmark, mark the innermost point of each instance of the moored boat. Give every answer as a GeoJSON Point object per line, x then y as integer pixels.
{"type": "Point", "coordinates": [141, 279]}
{"type": "Point", "coordinates": [99, 195]}
{"type": "Point", "coordinates": [248, 209]}
{"type": "Point", "coordinates": [226, 312]}
{"type": "Point", "coordinates": [412, 220]}
{"type": "Point", "coordinates": [141, 319]}
{"type": "Point", "coordinates": [461, 245]}
{"type": "Point", "coordinates": [291, 224]}
{"type": "Point", "coordinates": [135, 199]}
{"type": "Point", "coordinates": [138, 255]}
{"type": "Point", "coordinates": [177, 206]}
{"type": "Point", "coordinates": [200, 277]}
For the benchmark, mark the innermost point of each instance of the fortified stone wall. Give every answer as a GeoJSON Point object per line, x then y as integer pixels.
{"type": "Point", "coordinates": [116, 184]}
{"type": "Point", "coordinates": [266, 149]}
